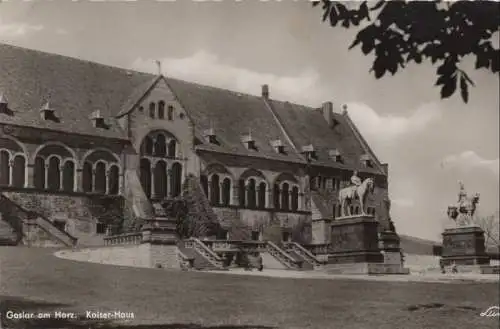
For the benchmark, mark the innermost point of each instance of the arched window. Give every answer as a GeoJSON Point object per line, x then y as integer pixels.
{"type": "Point", "coordinates": [160, 148]}
{"type": "Point", "coordinates": [87, 175]}
{"type": "Point", "coordinates": [214, 190]}
{"type": "Point", "coordinates": [241, 192]}
{"type": "Point", "coordinates": [152, 110]}
{"type": "Point", "coordinates": [68, 176]}
{"type": "Point", "coordinates": [262, 196]}
{"type": "Point", "coordinates": [148, 146]}
{"type": "Point", "coordinates": [171, 148]}
{"type": "Point", "coordinates": [251, 193]}
{"type": "Point", "coordinates": [54, 174]}
{"type": "Point", "coordinates": [145, 176]}
{"type": "Point", "coordinates": [160, 177]}
{"type": "Point", "coordinates": [114, 180]}
{"type": "Point", "coordinates": [285, 204]}
{"type": "Point", "coordinates": [295, 198]}
{"type": "Point", "coordinates": [276, 196]}
{"type": "Point", "coordinates": [161, 110]}
{"type": "Point", "coordinates": [170, 113]}
{"type": "Point", "coordinates": [4, 168]}
{"type": "Point", "coordinates": [204, 184]}
{"type": "Point", "coordinates": [100, 177]}
{"type": "Point", "coordinates": [226, 191]}
{"type": "Point", "coordinates": [175, 180]}
{"type": "Point", "coordinates": [19, 171]}
{"type": "Point", "coordinates": [39, 173]}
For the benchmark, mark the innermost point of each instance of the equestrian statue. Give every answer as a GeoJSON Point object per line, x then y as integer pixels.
{"type": "Point", "coordinates": [358, 190]}
{"type": "Point", "coordinates": [463, 211]}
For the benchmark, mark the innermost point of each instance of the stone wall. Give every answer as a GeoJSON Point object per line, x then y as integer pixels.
{"type": "Point", "coordinates": [81, 212]}
{"type": "Point", "coordinates": [241, 222]}
{"type": "Point", "coordinates": [140, 255]}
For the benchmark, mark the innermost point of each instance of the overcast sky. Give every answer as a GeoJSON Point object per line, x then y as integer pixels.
{"type": "Point", "coordinates": [429, 144]}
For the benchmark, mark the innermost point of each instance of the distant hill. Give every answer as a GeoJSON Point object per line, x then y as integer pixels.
{"type": "Point", "coordinates": [417, 246]}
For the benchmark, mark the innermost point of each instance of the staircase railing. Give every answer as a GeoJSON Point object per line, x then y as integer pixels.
{"type": "Point", "coordinates": [63, 236]}
{"type": "Point", "coordinates": [206, 252]}
{"type": "Point", "coordinates": [304, 253]}
{"type": "Point", "coordinates": [121, 239]}
{"type": "Point", "coordinates": [282, 256]}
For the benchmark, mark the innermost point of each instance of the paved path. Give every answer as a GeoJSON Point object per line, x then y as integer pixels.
{"type": "Point", "coordinates": [428, 277]}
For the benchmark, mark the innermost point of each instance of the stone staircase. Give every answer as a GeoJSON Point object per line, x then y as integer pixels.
{"type": "Point", "coordinates": [27, 227]}
{"type": "Point", "coordinates": [200, 256]}
{"type": "Point", "coordinates": [284, 257]}
{"type": "Point", "coordinates": [299, 252]}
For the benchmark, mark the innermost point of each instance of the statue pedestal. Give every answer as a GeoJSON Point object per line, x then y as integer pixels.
{"type": "Point", "coordinates": [389, 244]}
{"type": "Point", "coordinates": [464, 247]}
{"type": "Point", "coordinates": [354, 247]}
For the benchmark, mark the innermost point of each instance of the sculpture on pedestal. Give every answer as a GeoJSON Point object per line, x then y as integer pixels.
{"type": "Point", "coordinates": [463, 212]}
{"type": "Point", "coordinates": [359, 190]}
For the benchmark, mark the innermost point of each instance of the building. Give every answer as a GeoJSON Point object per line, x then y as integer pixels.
{"type": "Point", "coordinates": [85, 145]}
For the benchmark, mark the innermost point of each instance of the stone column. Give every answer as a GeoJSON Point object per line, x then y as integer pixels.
{"type": "Point", "coordinates": [269, 198]}
{"type": "Point", "coordinates": [11, 172]}
{"type": "Point", "coordinates": [46, 183]}
{"type": "Point", "coordinates": [107, 180]}
{"type": "Point", "coordinates": [79, 180]}
{"type": "Point", "coordinates": [29, 180]}
{"type": "Point", "coordinates": [301, 204]}
{"type": "Point", "coordinates": [235, 197]}
{"type": "Point", "coordinates": [169, 181]}
{"type": "Point", "coordinates": [221, 192]}
{"type": "Point", "coordinates": [61, 176]}
{"type": "Point", "coordinates": [152, 171]}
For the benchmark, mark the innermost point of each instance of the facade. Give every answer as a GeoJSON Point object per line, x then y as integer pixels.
{"type": "Point", "coordinates": [89, 147]}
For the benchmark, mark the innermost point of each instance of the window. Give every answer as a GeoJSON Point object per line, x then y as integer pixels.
{"type": "Point", "coordinates": [170, 113]}
{"type": "Point", "coordinates": [100, 228]}
{"type": "Point", "coordinates": [255, 236]}
{"type": "Point", "coordinates": [152, 108]}
{"type": "Point", "coordinates": [161, 110]}
{"type": "Point", "coordinates": [226, 191]}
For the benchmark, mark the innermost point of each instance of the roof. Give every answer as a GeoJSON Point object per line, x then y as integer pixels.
{"type": "Point", "coordinates": [75, 88]}
{"type": "Point", "coordinates": [307, 126]}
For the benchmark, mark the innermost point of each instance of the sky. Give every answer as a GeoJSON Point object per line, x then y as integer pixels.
{"type": "Point", "coordinates": [429, 143]}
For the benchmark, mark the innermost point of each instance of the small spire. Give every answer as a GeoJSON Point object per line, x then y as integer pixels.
{"type": "Point", "coordinates": [3, 99]}
{"type": "Point", "coordinates": [158, 64]}
{"type": "Point", "coordinates": [46, 106]}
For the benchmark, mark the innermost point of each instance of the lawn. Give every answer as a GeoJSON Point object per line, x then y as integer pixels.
{"type": "Point", "coordinates": [33, 279]}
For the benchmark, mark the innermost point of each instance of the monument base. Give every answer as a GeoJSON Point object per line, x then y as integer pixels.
{"type": "Point", "coordinates": [365, 268]}
{"type": "Point", "coordinates": [464, 246]}
{"type": "Point", "coordinates": [354, 239]}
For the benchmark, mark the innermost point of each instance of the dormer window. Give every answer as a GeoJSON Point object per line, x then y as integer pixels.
{"type": "Point", "coordinates": [4, 104]}
{"type": "Point", "coordinates": [278, 146]}
{"type": "Point", "coordinates": [309, 151]}
{"type": "Point", "coordinates": [97, 119]}
{"type": "Point", "coordinates": [48, 113]}
{"type": "Point", "coordinates": [249, 142]}
{"type": "Point", "coordinates": [366, 160]}
{"type": "Point", "coordinates": [209, 134]}
{"type": "Point", "coordinates": [335, 155]}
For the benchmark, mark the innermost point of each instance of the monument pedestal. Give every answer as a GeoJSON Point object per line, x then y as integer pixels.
{"type": "Point", "coordinates": [389, 243]}
{"type": "Point", "coordinates": [354, 246]}
{"type": "Point", "coordinates": [464, 248]}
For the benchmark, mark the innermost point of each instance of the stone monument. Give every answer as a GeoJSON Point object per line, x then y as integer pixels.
{"type": "Point", "coordinates": [354, 247]}
{"type": "Point", "coordinates": [464, 244]}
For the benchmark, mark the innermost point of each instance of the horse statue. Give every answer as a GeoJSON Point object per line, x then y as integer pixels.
{"type": "Point", "coordinates": [350, 193]}
{"type": "Point", "coordinates": [463, 212]}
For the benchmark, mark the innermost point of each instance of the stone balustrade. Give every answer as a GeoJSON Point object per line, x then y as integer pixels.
{"type": "Point", "coordinates": [123, 239]}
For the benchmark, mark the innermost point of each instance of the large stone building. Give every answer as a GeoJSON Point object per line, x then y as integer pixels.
{"type": "Point", "coordinates": [85, 145]}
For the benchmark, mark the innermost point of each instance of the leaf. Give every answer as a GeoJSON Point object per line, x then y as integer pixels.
{"type": "Point", "coordinates": [464, 88]}
{"type": "Point", "coordinates": [378, 5]}
{"type": "Point", "coordinates": [482, 61]}
{"type": "Point", "coordinates": [468, 79]}
{"type": "Point", "coordinates": [379, 67]}
{"type": "Point", "coordinates": [355, 43]}
{"type": "Point", "coordinates": [449, 87]}
{"type": "Point", "coordinates": [441, 80]}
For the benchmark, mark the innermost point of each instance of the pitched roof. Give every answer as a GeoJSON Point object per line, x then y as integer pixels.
{"type": "Point", "coordinates": [75, 88]}
{"type": "Point", "coordinates": [232, 115]}
{"type": "Point", "coordinates": [307, 126]}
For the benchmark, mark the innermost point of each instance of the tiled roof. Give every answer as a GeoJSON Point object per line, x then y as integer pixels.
{"type": "Point", "coordinates": [232, 115]}
{"type": "Point", "coordinates": [307, 126]}
{"type": "Point", "coordinates": [75, 88]}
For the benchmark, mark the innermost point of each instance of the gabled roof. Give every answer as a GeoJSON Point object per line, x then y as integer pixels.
{"type": "Point", "coordinates": [76, 88]}
{"type": "Point", "coordinates": [307, 126]}
{"type": "Point", "coordinates": [232, 115]}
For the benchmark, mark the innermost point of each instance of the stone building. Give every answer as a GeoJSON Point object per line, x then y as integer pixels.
{"type": "Point", "coordinates": [85, 145]}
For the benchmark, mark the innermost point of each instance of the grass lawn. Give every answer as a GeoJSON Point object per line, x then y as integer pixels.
{"type": "Point", "coordinates": [33, 279]}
